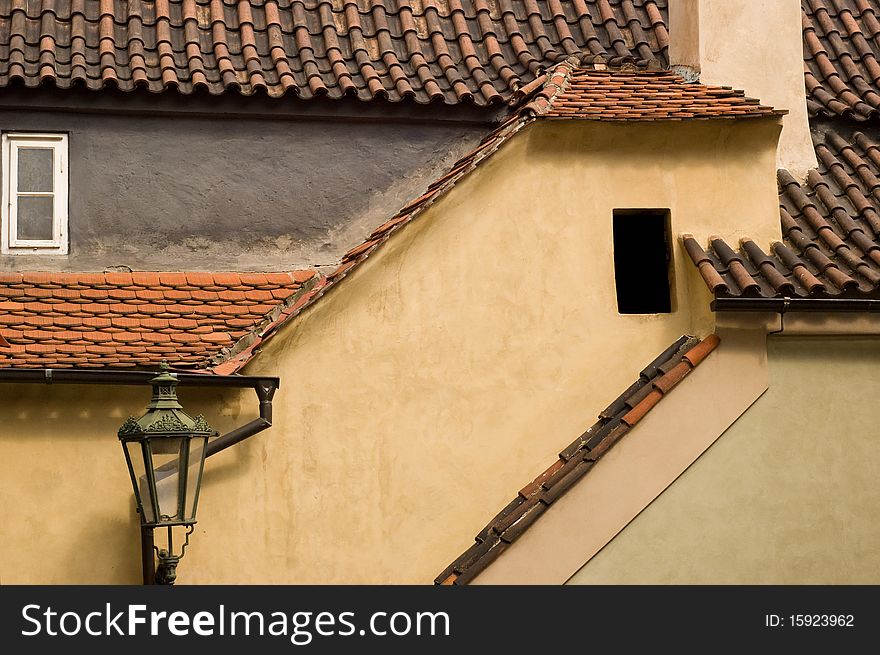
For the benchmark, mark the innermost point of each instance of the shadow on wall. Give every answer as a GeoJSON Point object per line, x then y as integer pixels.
{"type": "Point", "coordinates": [103, 547]}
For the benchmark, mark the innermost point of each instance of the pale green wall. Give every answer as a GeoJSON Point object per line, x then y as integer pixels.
{"type": "Point", "coordinates": [788, 495]}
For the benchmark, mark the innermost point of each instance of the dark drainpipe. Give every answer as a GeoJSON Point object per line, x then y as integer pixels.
{"type": "Point", "coordinates": [265, 391]}
{"type": "Point", "coordinates": [148, 563]}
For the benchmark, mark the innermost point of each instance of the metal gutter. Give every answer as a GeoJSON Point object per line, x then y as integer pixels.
{"type": "Point", "coordinates": [265, 388]}
{"type": "Point", "coordinates": [133, 378]}
{"type": "Point", "coordinates": [784, 305]}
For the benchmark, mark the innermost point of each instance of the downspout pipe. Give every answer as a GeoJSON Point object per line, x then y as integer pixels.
{"type": "Point", "coordinates": [265, 391]}
{"type": "Point", "coordinates": [148, 564]}
{"type": "Point", "coordinates": [786, 305]}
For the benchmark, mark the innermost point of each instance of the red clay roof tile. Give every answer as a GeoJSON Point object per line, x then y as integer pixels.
{"type": "Point", "coordinates": [535, 484]}
{"type": "Point", "coordinates": [644, 406]}
{"type": "Point", "coordinates": [636, 96]}
{"type": "Point", "coordinates": [59, 317]}
{"type": "Point", "coordinates": [841, 69]}
{"type": "Point", "coordinates": [699, 352]}
{"type": "Point", "coordinates": [476, 51]}
{"type": "Point", "coordinates": [667, 382]}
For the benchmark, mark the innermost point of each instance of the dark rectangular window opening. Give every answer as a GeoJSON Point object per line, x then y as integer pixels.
{"type": "Point", "coordinates": [641, 261]}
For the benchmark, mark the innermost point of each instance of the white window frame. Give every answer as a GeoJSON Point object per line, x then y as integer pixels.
{"type": "Point", "coordinates": [10, 244]}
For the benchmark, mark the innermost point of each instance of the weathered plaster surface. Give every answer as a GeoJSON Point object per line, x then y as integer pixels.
{"type": "Point", "coordinates": [172, 192]}
{"type": "Point", "coordinates": [451, 368]}
{"type": "Point", "coordinates": [788, 495]}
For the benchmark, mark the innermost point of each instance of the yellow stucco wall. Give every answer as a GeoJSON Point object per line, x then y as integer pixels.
{"type": "Point", "coordinates": [443, 374]}
{"type": "Point", "coordinates": [755, 45]}
{"type": "Point", "coordinates": [788, 495]}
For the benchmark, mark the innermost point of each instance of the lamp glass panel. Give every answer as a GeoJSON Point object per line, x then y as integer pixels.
{"type": "Point", "coordinates": [134, 452]}
{"type": "Point", "coordinates": [167, 452]}
{"type": "Point", "coordinates": [196, 459]}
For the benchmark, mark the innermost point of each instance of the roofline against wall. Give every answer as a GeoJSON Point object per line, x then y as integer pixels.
{"type": "Point", "coordinates": [785, 305]}
{"type": "Point", "coordinates": [146, 104]}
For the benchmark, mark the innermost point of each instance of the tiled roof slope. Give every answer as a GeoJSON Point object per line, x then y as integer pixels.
{"type": "Point", "coordinates": [831, 233]}
{"type": "Point", "coordinates": [452, 51]}
{"type": "Point", "coordinates": [576, 460]}
{"type": "Point", "coordinates": [641, 96]}
{"type": "Point", "coordinates": [118, 320]}
{"type": "Point", "coordinates": [538, 104]}
{"type": "Point", "coordinates": [842, 57]}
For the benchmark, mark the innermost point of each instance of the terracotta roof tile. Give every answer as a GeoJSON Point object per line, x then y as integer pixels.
{"type": "Point", "coordinates": [641, 408]}
{"type": "Point", "coordinates": [577, 460]}
{"type": "Point", "coordinates": [841, 53]}
{"type": "Point", "coordinates": [53, 319]}
{"type": "Point", "coordinates": [452, 51]}
{"type": "Point", "coordinates": [637, 96]}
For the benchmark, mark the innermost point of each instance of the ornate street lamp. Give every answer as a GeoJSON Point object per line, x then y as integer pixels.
{"type": "Point", "coordinates": [165, 452]}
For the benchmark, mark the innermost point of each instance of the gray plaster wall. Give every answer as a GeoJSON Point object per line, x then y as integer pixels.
{"type": "Point", "coordinates": [197, 193]}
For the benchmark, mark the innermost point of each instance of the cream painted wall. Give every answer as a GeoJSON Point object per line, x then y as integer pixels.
{"type": "Point", "coordinates": [788, 495]}
{"type": "Point", "coordinates": [756, 45]}
{"type": "Point", "coordinates": [423, 391]}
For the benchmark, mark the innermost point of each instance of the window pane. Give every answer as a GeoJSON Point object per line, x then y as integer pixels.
{"type": "Point", "coordinates": [35, 218]}
{"type": "Point", "coordinates": [35, 169]}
